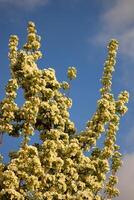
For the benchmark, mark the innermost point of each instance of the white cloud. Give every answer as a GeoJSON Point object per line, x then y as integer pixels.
{"type": "Point", "coordinates": [31, 4]}
{"type": "Point", "coordinates": [120, 15]}
{"type": "Point", "coordinates": [25, 3]}
{"type": "Point", "coordinates": [126, 178]}
{"type": "Point", "coordinates": [117, 22]}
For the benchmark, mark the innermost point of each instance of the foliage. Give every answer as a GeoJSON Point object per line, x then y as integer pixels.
{"type": "Point", "coordinates": [57, 168]}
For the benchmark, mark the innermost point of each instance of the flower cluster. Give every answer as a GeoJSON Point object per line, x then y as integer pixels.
{"type": "Point", "coordinates": [71, 73]}
{"type": "Point", "coordinates": [13, 43]}
{"type": "Point", "coordinates": [8, 107]}
{"type": "Point", "coordinates": [33, 41]}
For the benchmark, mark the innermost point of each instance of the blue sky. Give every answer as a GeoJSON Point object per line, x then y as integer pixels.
{"type": "Point", "coordinates": [76, 33]}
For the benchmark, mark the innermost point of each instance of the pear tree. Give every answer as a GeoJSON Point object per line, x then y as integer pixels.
{"type": "Point", "coordinates": [56, 168]}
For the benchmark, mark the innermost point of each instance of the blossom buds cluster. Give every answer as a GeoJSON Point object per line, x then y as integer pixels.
{"type": "Point", "coordinates": [13, 43]}
{"type": "Point", "coordinates": [33, 41]}
{"type": "Point", "coordinates": [120, 103]}
{"type": "Point", "coordinates": [109, 66]}
{"type": "Point", "coordinates": [8, 107]}
{"type": "Point", "coordinates": [71, 73]}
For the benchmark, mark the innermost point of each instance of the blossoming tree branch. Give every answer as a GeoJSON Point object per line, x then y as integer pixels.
{"type": "Point", "coordinates": [57, 169]}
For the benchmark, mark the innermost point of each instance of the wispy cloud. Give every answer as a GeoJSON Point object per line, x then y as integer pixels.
{"type": "Point", "coordinates": [126, 178]}
{"type": "Point", "coordinates": [117, 22]}
{"type": "Point", "coordinates": [120, 15]}
{"type": "Point", "coordinates": [27, 4]}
